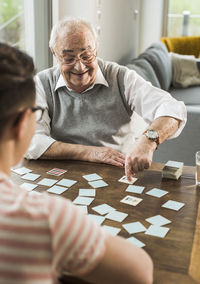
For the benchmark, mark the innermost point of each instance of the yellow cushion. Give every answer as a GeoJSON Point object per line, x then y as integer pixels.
{"type": "Point", "coordinates": [189, 45]}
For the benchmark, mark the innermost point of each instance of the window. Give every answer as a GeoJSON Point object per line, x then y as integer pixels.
{"type": "Point", "coordinates": [183, 18]}
{"type": "Point", "coordinates": [12, 22]}
{"type": "Point", "coordinates": [26, 24]}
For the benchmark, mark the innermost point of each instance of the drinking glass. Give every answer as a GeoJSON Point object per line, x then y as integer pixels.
{"type": "Point", "coordinates": [198, 168]}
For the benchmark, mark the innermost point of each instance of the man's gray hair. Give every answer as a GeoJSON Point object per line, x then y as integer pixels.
{"type": "Point", "coordinates": [69, 24]}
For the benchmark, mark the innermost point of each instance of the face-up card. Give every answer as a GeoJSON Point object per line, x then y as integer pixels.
{"type": "Point", "coordinates": [28, 186]}
{"type": "Point", "coordinates": [98, 183]}
{"type": "Point", "coordinates": [131, 200]}
{"type": "Point", "coordinates": [56, 172]}
{"type": "Point", "coordinates": [174, 164]}
{"type": "Point", "coordinates": [134, 227]}
{"type": "Point", "coordinates": [116, 216]}
{"type": "Point", "coordinates": [87, 192]}
{"type": "Point", "coordinates": [83, 208]}
{"type": "Point", "coordinates": [30, 176]}
{"type": "Point", "coordinates": [174, 205]}
{"type": "Point", "coordinates": [157, 231]}
{"type": "Point", "coordinates": [158, 220]}
{"type": "Point", "coordinates": [92, 177]}
{"type": "Point", "coordinates": [98, 219]}
{"type": "Point", "coordinates": [135, 189]}
{"type": "Point", "coordinates": [111, 230]}
{"type": "Point", "coordinates": [103, 209]}
{"type": "Point", "coordinates": [156, 192]}
{"type": "Point", "coordinates": [83, 200]}
{"type": "Point", "coordinates": [124, 180]}
{"type": "Point", "coordinates": [47, 181]}
{"type": "Point", "coordinates": [136, 242]}
{"type": "Point", "coordinates": [21, 171]}
{"type": "Point", "coordinates": [57, 189]}
{"type": "Point", "coordinates": [66, 182]}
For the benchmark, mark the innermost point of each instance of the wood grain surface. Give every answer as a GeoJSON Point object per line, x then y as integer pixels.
{"type": "Point", "coordinates": [172, 254]}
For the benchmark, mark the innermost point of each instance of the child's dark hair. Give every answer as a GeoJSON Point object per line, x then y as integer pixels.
{"type": "Point", "coordinates": [17, 87]}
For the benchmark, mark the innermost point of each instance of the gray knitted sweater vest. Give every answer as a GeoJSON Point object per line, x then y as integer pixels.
{"type": "Point", "coordinates": [90, 118]}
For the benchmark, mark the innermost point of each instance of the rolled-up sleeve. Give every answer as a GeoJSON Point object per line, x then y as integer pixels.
{"type": "Point", "coordinates": [42, 140]}
{"type": "Point", "coordinates": [151, 102]}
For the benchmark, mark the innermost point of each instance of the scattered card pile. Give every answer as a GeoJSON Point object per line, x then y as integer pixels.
{"type": "Point", "coordinates": [172, 170]}
{"type": "Point", "coordinates": [104, 211]}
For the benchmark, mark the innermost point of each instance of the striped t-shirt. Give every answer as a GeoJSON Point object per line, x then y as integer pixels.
{"type": "Point", "coordinates": [43, 236]}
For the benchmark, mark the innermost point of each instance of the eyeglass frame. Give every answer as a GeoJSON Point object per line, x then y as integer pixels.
{"type": "Point", "coordinates": [78, 58]}
{"type": "Point", "coordinates": [16, 116]}
{"type": "Point", "coordinates": [33, 109]}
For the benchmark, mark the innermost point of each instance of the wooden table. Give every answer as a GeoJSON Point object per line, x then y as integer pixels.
{"type": "Point", "coordinates": [172, 254]}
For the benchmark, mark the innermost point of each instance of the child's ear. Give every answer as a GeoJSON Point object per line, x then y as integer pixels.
{"type": "Point", "coordinates": [21, 124]}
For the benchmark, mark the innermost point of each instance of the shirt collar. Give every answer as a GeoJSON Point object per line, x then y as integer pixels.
{"type": "Point", "coordinates": [100, 79]}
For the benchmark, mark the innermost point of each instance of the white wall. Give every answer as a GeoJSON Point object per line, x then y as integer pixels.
{"type": "Point", "coordinates": [124, 33]}
{"type": "Point", "coordinates": [119, 30]}
{"type": "Point", "coordinates": [117, 21]}
{"type": "Point", "coordinates": [150, 22]}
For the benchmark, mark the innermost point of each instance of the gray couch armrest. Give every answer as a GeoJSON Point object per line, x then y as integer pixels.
{"type": "Point", "coordinates": [183, 147]}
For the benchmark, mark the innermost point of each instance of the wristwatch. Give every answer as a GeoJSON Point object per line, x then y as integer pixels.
{"type": "Point", "coordinates": [152, 135]}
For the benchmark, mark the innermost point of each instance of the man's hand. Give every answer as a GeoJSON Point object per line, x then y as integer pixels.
{"type": "Point", "coordinates": [106, 155]}
{"type": "Point", "coordinates": [140, 157]}
{"type": "Point", "coordinates": [61, 150]}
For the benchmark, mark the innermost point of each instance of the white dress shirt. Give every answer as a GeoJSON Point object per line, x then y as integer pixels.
{"type": "Point", "coordinates": [146, 100]}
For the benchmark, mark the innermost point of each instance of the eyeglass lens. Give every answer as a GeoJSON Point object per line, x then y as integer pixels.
{"type": "Point", "coordinates": [86, 57]}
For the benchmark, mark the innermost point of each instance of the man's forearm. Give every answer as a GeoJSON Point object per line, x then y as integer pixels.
{"type": "Point", "coordinates": [141, 156]}
{"type": "Point", "coordinates": [61, 150]}
{"type": "Point", "coordinates": [99, 154]}
{"type": "Point", "coordinates": [166, 126]}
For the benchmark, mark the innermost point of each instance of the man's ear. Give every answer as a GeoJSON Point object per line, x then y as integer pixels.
{"type": "Point", "coordinates": [21, 125]}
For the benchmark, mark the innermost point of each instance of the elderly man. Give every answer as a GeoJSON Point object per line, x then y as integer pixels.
{"type": "Point", "coordinates": [89, 102]}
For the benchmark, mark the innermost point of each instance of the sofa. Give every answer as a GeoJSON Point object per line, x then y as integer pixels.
{"type": "Point", "coordinates": [189, 45]}
{"type": "Point", "coordinates": [155, 65]}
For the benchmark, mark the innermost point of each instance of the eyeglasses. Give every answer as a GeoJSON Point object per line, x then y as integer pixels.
{"type": "Point", "coordinates": [39, 111]}
{"type": "Point", "coordinates": [86, 57]}
{"type": "Point", "coordinates": [15, 117]}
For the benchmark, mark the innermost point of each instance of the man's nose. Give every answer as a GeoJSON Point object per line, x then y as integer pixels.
{"type": "Point", "coordinates": [79, 65]}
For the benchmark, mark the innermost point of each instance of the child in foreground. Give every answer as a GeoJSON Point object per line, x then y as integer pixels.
{"type": "Point", "coordinates": [43, 236]}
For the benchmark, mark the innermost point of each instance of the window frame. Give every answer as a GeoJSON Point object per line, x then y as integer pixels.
{"type": "Point", "coordinates": [38, 23]}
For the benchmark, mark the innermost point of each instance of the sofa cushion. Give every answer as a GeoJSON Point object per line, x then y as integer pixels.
{"type": "Point", "coordinates": [183, 45]}
{"type": "Point", "coordinates": [157, 55]}
{"type": "Point", "coordinates": [145, 70]}
{"type": "Point", "coordinates": [190, 95]}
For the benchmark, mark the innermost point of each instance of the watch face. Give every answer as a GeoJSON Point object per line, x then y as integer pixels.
{"type": "Point", "coordinates": [152, 134]}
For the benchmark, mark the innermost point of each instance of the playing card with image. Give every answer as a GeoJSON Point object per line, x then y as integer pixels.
{"type": "Point", "coordinates": [124, 180]}
{"type": "Point", "coordinates": [131, 200]}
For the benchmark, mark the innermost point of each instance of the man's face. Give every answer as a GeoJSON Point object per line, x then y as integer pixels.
{"type": "Point", "coordinates": [76, 55]}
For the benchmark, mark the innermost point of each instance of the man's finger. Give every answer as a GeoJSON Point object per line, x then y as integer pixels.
{"type": "Point", "coordinates": [128, 171]}
{"type": "Point", "coordinates": [113, 162]}
{"type": "Point", "coordinates": [120, 160]}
